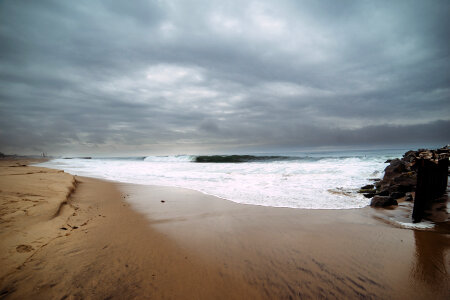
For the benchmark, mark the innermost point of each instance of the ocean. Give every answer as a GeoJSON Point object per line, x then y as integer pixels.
{"type": "Point", "coordinates": [309, 180]}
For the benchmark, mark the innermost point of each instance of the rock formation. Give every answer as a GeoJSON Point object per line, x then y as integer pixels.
{"type": "Point", "coordinates": [425, 168]}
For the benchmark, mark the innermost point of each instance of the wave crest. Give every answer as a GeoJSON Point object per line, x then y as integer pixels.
{"type": "Point", "coordinates": [170, 158]}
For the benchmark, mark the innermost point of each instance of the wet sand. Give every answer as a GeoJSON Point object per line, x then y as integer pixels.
{"type": "Point", "coordinates": [120, 241]}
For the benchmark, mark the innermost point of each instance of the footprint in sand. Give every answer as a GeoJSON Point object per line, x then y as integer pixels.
{"type": "Point", "coordinates": [24, 248]}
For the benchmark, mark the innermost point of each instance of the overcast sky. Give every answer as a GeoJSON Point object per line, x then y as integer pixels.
{"type": "Point", "coordinates": [155, 77]}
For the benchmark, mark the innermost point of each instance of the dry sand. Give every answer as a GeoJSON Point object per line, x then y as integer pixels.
{"type": "Point", "coordinates": [194, 246]}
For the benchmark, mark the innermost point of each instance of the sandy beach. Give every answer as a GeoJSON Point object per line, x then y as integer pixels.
{"type": "Point", "coordinates": [70, 237]}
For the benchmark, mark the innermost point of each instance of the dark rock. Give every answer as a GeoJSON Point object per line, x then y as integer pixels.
{"type": "Point", "coordinates": [423, 172]}
{"type": "Point", "coordinates": [400, 188]}
{"type": "Point", "coordinates": [163, 201]}
{"type": "Point", "coordinates": [410, 156]}
{"type": "Point", "coordinates": [367, 187]}
{"type": "Point", "coordinates": [382, 201]}
{"type": "Point", "coordinates": [396, 167]}
{"type": "Point", "coordinates": [409, 197]}
{"type": "Point", "coordinates": [406, 179]}
{"type": "Point", "coordinates": [369, 195]}
{"type": "Point", "coordinates": [365, 191]}
{"type": "Point", "coordinates": [397, 195]}
{"type": "Point", "coordinates": [368, 191]}
{"type": "Point", "coordinates": [383, 193]}
{"type": "Point", "coordinates": [398, 177]}
{"type": "Point", "coordinates": [388, 161]}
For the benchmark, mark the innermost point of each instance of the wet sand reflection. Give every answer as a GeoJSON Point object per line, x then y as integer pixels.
{"type": "Point", "coordinates": [432, 264]}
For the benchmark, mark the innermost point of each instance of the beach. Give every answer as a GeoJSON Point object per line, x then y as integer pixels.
{"type": "Point", "coordinates": [71, 237]}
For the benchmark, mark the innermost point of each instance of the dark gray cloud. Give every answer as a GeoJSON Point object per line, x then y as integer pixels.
{"type": "Point", "coordinates": [210, 76]}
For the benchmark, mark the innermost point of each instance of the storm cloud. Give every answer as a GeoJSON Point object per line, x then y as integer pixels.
{"type": "Point", "coordinates": [142, 77]}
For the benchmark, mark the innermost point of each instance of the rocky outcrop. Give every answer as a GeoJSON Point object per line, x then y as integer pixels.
{"type": "Point", "coordinates": [382, 201]}
{"type": "Point", "coordinates": [400, 177]}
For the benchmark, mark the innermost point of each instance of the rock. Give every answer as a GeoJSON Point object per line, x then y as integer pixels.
{"type": "Point", "coordinates": [400, 177]}
{"type": "Point", "coordinates": [368, 187]}
{"type": "Point", "coordinates": [397, 195]}
{"type": "Point", "coordinates": [365, 191]}
{"type": "Point", "coordinates": [388, 161]}
{"type": "Point", "coordinates": [369, 195]}
{"type": "Point", "coordinates": [396, 167]}
{"type": "Point", "coordinates": [378, 185]}
{"type": "Point", "coordinates": [409, 156]}
{"type": "Point", "coordinates": [382, 201]}
{"type": "Point", "coordinates": [399, 188]}
{"type": "Point", "coordinates": [409, 197]}
{"type": "Point", "coordinates": [383, 193]}
{"type": "Point", "coordinates": [368, 190]}
{"type": "Point", "coordinates": [406, 179]}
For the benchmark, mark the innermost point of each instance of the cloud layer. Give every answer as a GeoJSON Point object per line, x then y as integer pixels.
{"type": "Point", "coordinates": [208, 76]}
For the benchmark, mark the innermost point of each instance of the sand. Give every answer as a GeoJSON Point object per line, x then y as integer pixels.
{"type": "Point", "coordinates": [66, 237]}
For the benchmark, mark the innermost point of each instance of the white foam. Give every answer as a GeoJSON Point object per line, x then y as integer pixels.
{"type": "Point", "coordinates": [299, 183]}
{"type": "Point", "coordinates": [421, 225]}
{"type": "Point", "coordinates": [170, 158]}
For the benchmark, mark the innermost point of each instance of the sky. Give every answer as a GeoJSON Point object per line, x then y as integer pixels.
{"type": "Point", "coordinates": [175, 77]}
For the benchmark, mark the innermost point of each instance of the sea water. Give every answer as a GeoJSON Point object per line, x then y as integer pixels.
{"type": "Point", "coordinates": [315, 180]}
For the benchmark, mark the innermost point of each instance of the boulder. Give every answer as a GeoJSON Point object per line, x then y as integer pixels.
{"type": "Point", "coordinates": [368, 187]}
{"type": "Point", "coordinates": [383, 193]}
{"type": "Point", "coordinates": [365, 191]}
{"type": "Point", "coordinates": [397, 195]}
{"type": "Point", "coordinates": [409, 197]}
{"type": "Point", "coordinates": [378, 185]}
{"type": "Point", "coordinates": [382, 201]}
{"type": "Point", "coordinates": [368, 191]}
{"type": "Point", "coordinates": [369, 195]}
{"type": "Point", "coordinates": [395, 168]}
{"type": "Point", "coordinates": [400, 188]}
{"type": "Point", "coordinates": [407, 177]}
{"type": "Point", "coordinates": [410, 156]}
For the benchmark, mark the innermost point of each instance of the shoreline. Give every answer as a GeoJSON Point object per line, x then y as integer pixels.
{"type": "Point", "coordinates": [196, 245]}
{"type": "Point", "coordinates": [399, 217]}
{"type": "Point", "coordinates": [292, 184]}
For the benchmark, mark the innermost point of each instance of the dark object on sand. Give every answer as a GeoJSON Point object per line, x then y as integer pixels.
{"type": "Point", "coordinates": [432, 176]}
